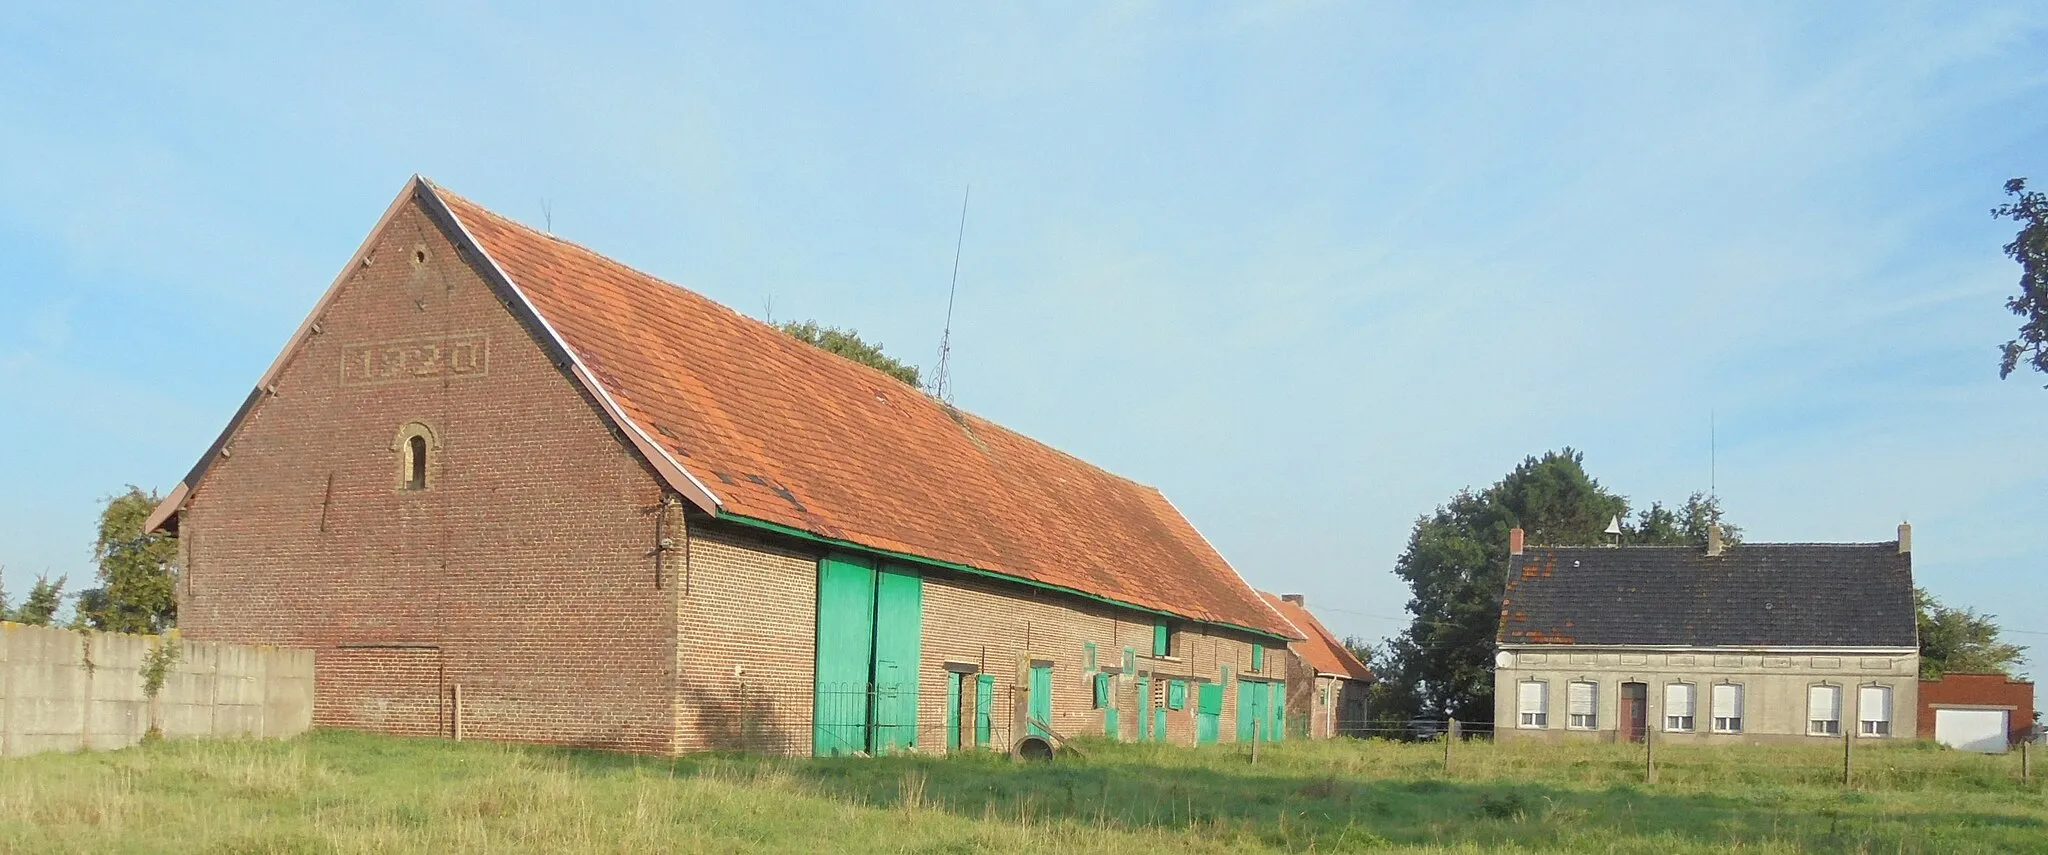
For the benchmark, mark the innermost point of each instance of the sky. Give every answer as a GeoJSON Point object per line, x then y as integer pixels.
{"type": "Point", "coordinates": [1308, 268]}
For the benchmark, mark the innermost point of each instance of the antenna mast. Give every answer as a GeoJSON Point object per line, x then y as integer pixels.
{"type": "Point", "coordinates": [942, 379]}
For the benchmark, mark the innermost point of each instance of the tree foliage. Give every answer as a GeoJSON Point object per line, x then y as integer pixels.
{"type": "Point", "coordinates": [1456, 565]}
{"type": "Point", "coordinates": [1960, 641]}
{"type": "Point", "coordinates": [2029, 208]}
{"type": "Point", "coordinates": [137, 571]}
{"type": "Point", "coordinates": [39, 608]}
{"type": "Point", "coordinates": [848, 343]}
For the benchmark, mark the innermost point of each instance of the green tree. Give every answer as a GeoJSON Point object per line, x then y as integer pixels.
{"type": "Point", "coordinates": [2030, 248]}
{"type": "Point", "coordinates": [848, 343]}
{"type": "Point", "coordinates": [1456, 563]}
{"type": "Point", "coordinates": [6, 611]}
{"type": "Point", "coordinates": [1657, 525]}
{"type": "Point", "coordinates": [137, 571]}
{"type": "Point", "coordinates": [40, 607]}
{"type": "Point", "coordinates": [1960, 641]}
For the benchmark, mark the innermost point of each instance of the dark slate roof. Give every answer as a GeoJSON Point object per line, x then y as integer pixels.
{"type": "Point", "coordinates": [1760, 594]}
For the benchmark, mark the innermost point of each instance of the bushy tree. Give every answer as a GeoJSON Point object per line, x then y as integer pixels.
{"type": "Point", "coordinates": [848, 343]}
{"type": "Point", "coordinates": [2029, 208]}
{"type": "Point", "coordinates": [1960, 641]}
{"type": "Point", "coordinates": [138, 571]}
{"type": "Point", "coordinates": [1657, 525]}
{"type": "Point", "coordinates": [40, 607]}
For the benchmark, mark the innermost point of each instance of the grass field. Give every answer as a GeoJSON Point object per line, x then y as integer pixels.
{"type": "Point", "coordinates": [345, 792]}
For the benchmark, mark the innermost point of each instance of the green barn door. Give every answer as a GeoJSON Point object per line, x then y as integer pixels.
{"type": "Point", "coordinates": [846, 633]}
{"type": "Point", "coordinates": [1144, 707]}
{"type": "Point", "coordinates": [1251, 711]}
{"type": "Point", "coordinates": [1041, 699]}
{"type": "Point", "coordinates": [1208, 712]}
{"type": "Point", "coordinates": [984, 698]}
{"type": "Point", "coordinates": [1159, 725]}
{"type": "Point", "coordinates": [952, 711]}
{"type": "Point", "coordinates": [899, 632]}
{"type": "Point", "coordinates": [1276, 724]}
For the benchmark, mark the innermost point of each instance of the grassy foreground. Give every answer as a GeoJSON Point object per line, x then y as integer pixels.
{"type": "Point", "coordinates": [346, 792]}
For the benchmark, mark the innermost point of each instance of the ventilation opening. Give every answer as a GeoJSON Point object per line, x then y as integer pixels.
{"type": "Point", "coordinates": [416, 463]}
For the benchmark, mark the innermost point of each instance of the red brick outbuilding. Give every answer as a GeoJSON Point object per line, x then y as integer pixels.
{"type": "Point", "coordinates": [1979, 692]}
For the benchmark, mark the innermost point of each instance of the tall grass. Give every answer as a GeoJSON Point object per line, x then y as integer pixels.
{"type": "Point", "coordinates": [345, 793]}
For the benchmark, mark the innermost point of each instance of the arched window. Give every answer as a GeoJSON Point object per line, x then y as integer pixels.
{"type": "Point", "coordinates": [416, 445]}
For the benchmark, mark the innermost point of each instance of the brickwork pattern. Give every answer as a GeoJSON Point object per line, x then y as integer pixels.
{"type": "Point", "coordinates": [528, 561]}
{"type": "Point", "coordinates": [747, 614]}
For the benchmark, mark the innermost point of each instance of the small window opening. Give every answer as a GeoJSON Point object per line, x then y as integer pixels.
{"type": "Point", "coordinates": [416, 463]}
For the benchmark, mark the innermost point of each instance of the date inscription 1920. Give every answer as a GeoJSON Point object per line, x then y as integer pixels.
{"type": "Point", "coordinates": [423, 358]}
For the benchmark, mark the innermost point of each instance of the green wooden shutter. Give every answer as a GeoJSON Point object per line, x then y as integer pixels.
{"type": "Point", "coordinates": [952, 711]}
{"type": "Point", "coordinates": [1101, 697]}
{"type": "Point", "coordinates": [1088, 656]}
{"type": "Point", "coordinates": [1176, 694]}
{"type": "Point", "coordinates": [984, 698]}
{"type": "Point", "coordinates": [1258, 657]}
{"type": "Point", "coordinates": [1160, 639]}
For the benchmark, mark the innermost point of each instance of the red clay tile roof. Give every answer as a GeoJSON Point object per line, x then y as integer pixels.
{"type": "Point", "coordinates": [1322, 650]}
{"type": "Point", "coordinates": [784, 432]}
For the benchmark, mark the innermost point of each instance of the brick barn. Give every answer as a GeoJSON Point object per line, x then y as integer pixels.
{"type": "Point", "coordinates": [507, 488]}
{"type": "Point", "coordinates": [1326, 684]}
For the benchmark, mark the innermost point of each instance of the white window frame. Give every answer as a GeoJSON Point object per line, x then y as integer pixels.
{"type": "Point", "coordinates": [1815, 724]}
{"type": "Point", "coordinates": [1587, 720]}
{"type": "Point", "coordinates": [1538, 718]}
{"type": "Point", "coordinates": [1874, 728]}
{"type": "Point", "coordinates": [1672, 723]}
{"type": "Point", "coordinates": [1727, 723]}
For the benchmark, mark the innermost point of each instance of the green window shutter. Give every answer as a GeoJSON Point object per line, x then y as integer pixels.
{"type": "Point", "coordinates": [1160, 639]}
{"type": "Point", "coordinates": [1176, 694]}
{"type": "Point", "coordinates": [1258, 657]}
{"type": "Point", "coordinates": [1211, 699]}
{"type": "Point", "coordinates": [1088, 656]}
{"type": "Point", "coordinates": [1101, 690]}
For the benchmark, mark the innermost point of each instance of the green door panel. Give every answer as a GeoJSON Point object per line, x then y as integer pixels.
{"type": "Point", "coordinates": [952, 711]}
{"type": "Point", "coordinates": [1208, 712]}
{"type": "Point", "coordinates": [1251, 709]}
{"type": "Point", "coordinates": [899, 622]}
{"type": "Point", "coordinates": [1277, 725]}
{"type": "Point", "coordinates": [1144, 708]}
{"type": "Point", "coordinates": [845, 655]}
{"type": "Point", "coordinates": [984, 697]}
{"type": "Point", "coordinates": [1041, 700]}
{"type": "Point", "coordinates": [1159, 725]}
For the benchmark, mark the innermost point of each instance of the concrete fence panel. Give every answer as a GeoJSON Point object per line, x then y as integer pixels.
{"type": "Point", "coordinates": [62, 690]}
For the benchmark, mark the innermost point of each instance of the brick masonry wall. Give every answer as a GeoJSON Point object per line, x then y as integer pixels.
{"type": "Point", "coordinates": [524, 572]}
{"type": "Point", "coordinates": [746, 646]}
{"type": "Point", "coordinates": [1985, 690]}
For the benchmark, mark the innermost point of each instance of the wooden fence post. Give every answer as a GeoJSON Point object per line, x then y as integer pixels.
{"type": "Point", "coordinates": [1450, 735]}
{"type": "Point", "coordinates": [2026, 767]}
{"type": "Point", "coordinates": [1649, 755]}
{"type": "Point", "coordinates": [1848, 741]}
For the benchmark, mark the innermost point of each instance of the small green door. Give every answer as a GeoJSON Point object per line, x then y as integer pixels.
{"type": "Point", "coordinates": [1276, 724]}
{"type": "Point", "coordinates": [1208, 712]}
{"type": "Point", "coordinates": [1159, 725]}
{"type": "Point", "coordinates": [952, 711]}
{"type": "Point", "coordinates": [846, 632]}
{"type": "Point", "coordinates": [984, 697]}
{"type": "Point", "coordinates": [1041, 699]}
{"type": "Point", "coordinates": [1144, 707]}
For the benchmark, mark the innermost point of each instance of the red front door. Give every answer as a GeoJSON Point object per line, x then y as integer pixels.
{"type": "Point", "coordinates": [1635, 711]}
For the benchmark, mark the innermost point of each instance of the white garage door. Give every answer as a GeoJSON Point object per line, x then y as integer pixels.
{"type": "Point", "coordinates": [1971, 730]}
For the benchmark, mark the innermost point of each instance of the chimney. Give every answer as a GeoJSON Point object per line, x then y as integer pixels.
{"type": "Point", "coordinates": [1713, 540]}
{"type": "Point", "coordinates": [1515, 540]}
{"type": "Point", "coordinates": [1296, 599]}
{"type": "Point", "coordinates": [1905, 538]}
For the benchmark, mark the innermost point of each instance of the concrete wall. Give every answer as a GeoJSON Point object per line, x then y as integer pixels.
{"type": "Point", "coordinates": [62, 690]}
{"type": "Point", "coordinates": [1774, 688]}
